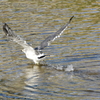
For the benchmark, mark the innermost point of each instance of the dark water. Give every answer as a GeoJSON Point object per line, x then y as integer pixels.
{"type": "Point", "coordinates": [78, 47]}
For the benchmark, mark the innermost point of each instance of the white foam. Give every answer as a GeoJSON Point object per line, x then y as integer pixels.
{"type": "Point", "coordinates": [69, 68]}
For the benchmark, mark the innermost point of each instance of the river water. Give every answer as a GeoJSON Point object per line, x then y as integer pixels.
{"type": "Point", "coordinates": [77, 48]}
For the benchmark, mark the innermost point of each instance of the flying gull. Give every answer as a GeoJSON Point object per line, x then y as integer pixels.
{"type": "Point", "coordinates": [34, 54]}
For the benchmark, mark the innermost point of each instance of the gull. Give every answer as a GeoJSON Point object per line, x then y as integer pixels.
{"type": "Point", "coordinates": [34, 54]}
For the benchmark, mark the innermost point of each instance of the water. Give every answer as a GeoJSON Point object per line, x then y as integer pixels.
{"type": "Point", "coordinates": [78, 47]}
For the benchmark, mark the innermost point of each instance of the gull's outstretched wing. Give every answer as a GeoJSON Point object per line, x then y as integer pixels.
{"type": "Point", "coordinates": [10, 34]}
{"type": "Point", "coordinates": [52, 37]}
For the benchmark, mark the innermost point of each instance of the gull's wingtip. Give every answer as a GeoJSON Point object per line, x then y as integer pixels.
{"type": "Point", "coordinates": [71, 17]}
{"type": "Point", "coordinates": [7, 30]}
{"type": "Point", "coordinates": [5, 24]}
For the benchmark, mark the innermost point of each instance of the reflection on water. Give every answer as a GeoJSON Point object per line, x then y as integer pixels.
{"type": "Point", "coordinates": [78, 48]}
{"type": "Point", "coordinates": [42, 82]}
{"type": "Point", "coordinates": [33, 75]}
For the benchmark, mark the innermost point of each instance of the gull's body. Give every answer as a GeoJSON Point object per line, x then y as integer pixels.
{"type": "Point", "coordinates": [34, 54]}
{"type": "Point", "coordinates": [30, 54]}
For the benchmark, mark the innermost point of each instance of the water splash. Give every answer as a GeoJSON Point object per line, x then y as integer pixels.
{"type": "Point", "coordinates": [69, 68]}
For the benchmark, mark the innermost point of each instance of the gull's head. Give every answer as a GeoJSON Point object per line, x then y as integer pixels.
{"type": "Point", "coordinates": [39, 53]}
{"type": "Point", "coordinates": [38, 58]}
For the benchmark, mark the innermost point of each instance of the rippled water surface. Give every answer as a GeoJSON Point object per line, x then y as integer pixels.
{"type": "Point", "coordinates": [78, 47]}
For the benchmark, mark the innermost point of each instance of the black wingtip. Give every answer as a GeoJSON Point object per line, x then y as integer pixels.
{"type": "Point", "coordinates": [71, 17]}
{"type": "Point", "coordinates": [5, 28]}
{"type": "Point", "coordinates": [5, 25]}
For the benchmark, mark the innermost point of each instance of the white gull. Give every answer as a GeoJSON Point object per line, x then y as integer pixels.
{"type": "Point", "coordinates": [34, 54]}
